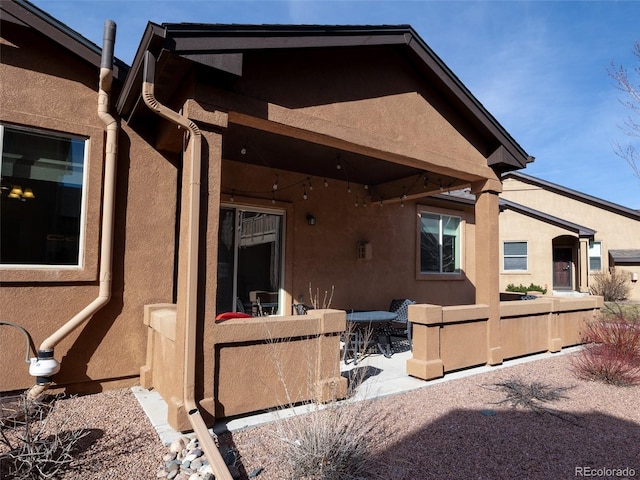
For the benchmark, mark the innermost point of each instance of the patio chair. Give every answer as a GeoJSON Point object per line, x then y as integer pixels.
{"type": "Point", "coordinates": [401, 327]}
{"type": "Point", "coordinates": [301, 308]}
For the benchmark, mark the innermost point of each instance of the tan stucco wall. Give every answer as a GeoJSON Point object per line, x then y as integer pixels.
{"type": "Point", "coordinates": [615, 231]}
{"type": "Point", "coordinates": [515, 227]}
{"type": "Point", "coordinates": [111, 345]}
{"type": "Point", "coordinates": [450, 338]}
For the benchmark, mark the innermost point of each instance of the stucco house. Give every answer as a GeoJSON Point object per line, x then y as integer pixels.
{"type": "Point", "coordinates": [554, 236]}
{"type": "Point", "coordinates": [231, 161]}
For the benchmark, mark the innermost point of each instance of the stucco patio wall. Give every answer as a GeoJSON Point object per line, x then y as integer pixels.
{"type": "Point", "coordinates": [455, 337]}
{"type": "Point", "coordinates": [259, 362]}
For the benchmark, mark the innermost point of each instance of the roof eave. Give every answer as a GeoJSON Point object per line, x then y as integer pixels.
{"type": "Point", "coordinates": [580, 230]}
{"type": "Point", "coordinates": [568, 192]}
{"type": "Point", "coordinates": [194, 40]}
{"type": "Point", "coordinates": [27, 14]}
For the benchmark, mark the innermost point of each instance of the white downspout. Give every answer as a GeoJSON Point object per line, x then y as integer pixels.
{"type": "Point", "coordinates": [45, 366]}
{"type": "Point", "coordinates": [216, 461]}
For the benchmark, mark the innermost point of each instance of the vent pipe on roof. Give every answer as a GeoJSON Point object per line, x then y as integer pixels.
{"type": "Point", "coordinates": [192, 211]}
{"type": "Point", "coordinates": [45, 366]}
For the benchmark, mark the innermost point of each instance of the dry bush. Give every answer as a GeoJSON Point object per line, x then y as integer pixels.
{"type": "Point", "coordinates": [612, 351]}
{"type": "Point", "coordinates": [315, 299]}
{"type": "Point", "coordinates": [330, 443]}
{"type": "Point", "coordinates": [530, 395]}
{"type": "Point", "coordinates": [534, 396]}
{"type": "Point", "coordinates": [33, 445]}
{"type": "Point", "coordinates": [324, 440]}
{"type": "Point", "coordinates": [613, 286]}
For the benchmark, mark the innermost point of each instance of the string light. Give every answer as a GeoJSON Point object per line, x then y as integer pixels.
{"type": "Point", "coordinates": [310, 185]}
{"type": "Point", "coordinates": [356, 200]}
{"type": "Point", "coordinates": [349, 187]}
{"type": "Point", "coordinates": [326, 184]}
{"type": "Point", "coordinates": [233, 199]}
{"type": "Point", "coordinates": [275, 184]}
{"type": "Point", "coordinates": [304, 192]}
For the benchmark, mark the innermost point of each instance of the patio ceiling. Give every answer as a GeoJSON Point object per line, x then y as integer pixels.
{"type": "Point", "coordinates": [257, 147]}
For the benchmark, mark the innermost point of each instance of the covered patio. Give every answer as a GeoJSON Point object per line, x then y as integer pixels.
{"type": "Point", "coordinates": [309, 159]}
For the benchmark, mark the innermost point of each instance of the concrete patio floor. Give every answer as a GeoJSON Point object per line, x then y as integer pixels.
{"type": "Point", "coordinates": [377, 377]}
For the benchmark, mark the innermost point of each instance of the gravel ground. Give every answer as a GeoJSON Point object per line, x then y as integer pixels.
{"type": "Point", "coordinates": [460, 429]}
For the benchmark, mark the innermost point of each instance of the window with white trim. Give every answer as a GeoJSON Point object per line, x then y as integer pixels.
{"type": "Point", "coordinates": [595, 256]}
{"type": "Point", "coordinates": [515, 256]}
{"type": "Point", "coordinates": [42, 197]}
{"type": "Point", "coordinates": [440, 243]}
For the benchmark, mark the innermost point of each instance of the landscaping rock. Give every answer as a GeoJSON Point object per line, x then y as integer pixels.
{"type": "Point", "coordinates": [186, 461]}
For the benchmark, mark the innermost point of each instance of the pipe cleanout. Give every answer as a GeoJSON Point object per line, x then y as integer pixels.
{"type": "Point", "coordinates": [45, 366]}
{"type": "Point", "coordinates": [220, 469]}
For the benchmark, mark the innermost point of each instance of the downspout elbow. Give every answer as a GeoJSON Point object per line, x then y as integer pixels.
{"type": "Point", "coordinates": [216, 461]}
{"type": "Point", "coordinates": [45, 365]}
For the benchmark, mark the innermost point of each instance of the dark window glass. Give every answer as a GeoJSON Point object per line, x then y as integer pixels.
{"type": "Point", "coordinates": [439, 243]}
{"type": "Point", "coordinates": [41, 201]}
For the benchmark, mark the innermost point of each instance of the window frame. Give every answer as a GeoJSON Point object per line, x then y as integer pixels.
{"type": "Point", "coordinates": [461, 215]}
{"type": "Point", "coordinates": [505, 256]}
{"type": "Point", "coordinates": [589, 256]}
{"type": "Point", "coordinates": [87, 266]}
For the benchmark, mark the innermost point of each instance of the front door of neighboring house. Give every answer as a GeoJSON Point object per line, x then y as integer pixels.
{"type": "Point", "coordinates": [562, 268]}
{"type": "Point", "coordinates": [250, 250]}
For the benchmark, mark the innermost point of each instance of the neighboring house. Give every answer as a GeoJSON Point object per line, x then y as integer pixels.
{"type": "Point", "coordinates": [285, 159]}
{"type": "Point", "coordinates": [557, 237]}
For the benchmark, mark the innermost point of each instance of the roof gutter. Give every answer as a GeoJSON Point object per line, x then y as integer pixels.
{"type": "Point", "coordinates": [45, 366]}
{"type": "Point", "coordinates": [216, 461]}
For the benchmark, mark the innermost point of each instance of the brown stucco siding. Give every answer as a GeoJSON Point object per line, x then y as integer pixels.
{"type": "Point", "coordinates": [59, 93]}
{"type": "Point", "coordinates": [324, 255]}
{"type": "Point", "coordinates": [358, 102]}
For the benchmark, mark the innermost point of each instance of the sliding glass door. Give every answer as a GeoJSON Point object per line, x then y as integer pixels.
{"type": "Point", "coordinates": [250, 263]}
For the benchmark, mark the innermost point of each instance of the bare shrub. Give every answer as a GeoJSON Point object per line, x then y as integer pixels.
{"type": "Point", "coordinates": [613, 286]}
{"type": "Point", "coordinates": [315, 299]}
{"type": "Point", "coordinates": [328, 443]}
{"type": "Point", "coordinates": [612, 351]}
{"type": "Point", "coordinates": [328, 439]}
{"type": "Point", "coordinates": [530, 395]}
{"type": "Point", "coordinates": [34, 446]}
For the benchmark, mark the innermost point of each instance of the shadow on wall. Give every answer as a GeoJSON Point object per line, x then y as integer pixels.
{"type": "Point", "coordinates": [507, 444]}
{"type": "Point", "coordinates": [73, 373]}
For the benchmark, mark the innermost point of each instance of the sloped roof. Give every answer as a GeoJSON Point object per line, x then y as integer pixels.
{"type": "Point", "coordinates": [581, 230]}
{"type": "Point", "coordinates": [625, 256]}
{"type": "Point", "coordinates": [574, 194]}
{"type": "Point", "coordinates": [24, 13]}
{"type": "Point", "coordinates": [222, 46]}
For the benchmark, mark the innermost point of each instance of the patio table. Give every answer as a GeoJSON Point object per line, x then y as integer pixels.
{"type": "Point", "coordinates": [367, 322]}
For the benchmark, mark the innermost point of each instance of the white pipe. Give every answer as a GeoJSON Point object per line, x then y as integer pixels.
{"type": "Point", "coordinates": [45, 361]}
{"type": "Point", "coordinates": [216, 461]}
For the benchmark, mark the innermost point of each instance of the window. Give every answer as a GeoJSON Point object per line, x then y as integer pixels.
{"type": "Point", "coordinates": [595, 256]}
{"type": "Point", "coordinates": [439, 243]}
{"type": "Point", "coordinates": [41, 207]}
{"type": "Point", "coordinates": [515, 256]}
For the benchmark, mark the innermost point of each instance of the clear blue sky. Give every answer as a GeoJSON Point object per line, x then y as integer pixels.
{"type": "Point", "coordinates": [540, 67]}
